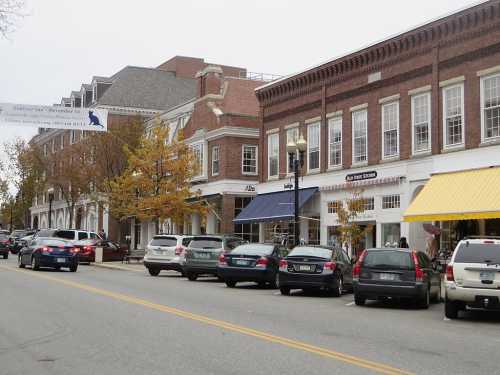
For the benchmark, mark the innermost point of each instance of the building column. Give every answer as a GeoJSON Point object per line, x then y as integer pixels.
{"type": "Point", "coordinates": [174, 227]}
{"type": "Point", "coordinates": [195, 224]}
{"type": "Point", "coordinates": [262, 232]}
{"type": "Point", "coordinates": [304, 230]}
{"type": "Point", "coordinates": [105, 218]}
{"type": "Point", "coordinates": [323, 232]}
{"type": "Point", "coordinates": [132, 232]}
{"type": "Point", "coordinates": [378, 227]}
{"type": "Point", "coordinates": [211, 223]}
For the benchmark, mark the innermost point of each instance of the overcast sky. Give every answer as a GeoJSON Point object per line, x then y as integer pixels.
{"type": "Point", "coordinates": [62, 44]}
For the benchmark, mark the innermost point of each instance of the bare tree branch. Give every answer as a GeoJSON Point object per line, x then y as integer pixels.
{"type": "Point", "coordinates": [11, 11]}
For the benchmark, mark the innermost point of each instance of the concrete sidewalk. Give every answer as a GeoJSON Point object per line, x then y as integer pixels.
{"type": "Point", "coordinates": [134, 266]}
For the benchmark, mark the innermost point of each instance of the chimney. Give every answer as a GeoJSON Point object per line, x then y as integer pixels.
{"type": "Point", "coordinates": [209, 81]}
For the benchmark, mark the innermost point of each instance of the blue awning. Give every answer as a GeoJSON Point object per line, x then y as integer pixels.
{"type": "Point", "coordinates": [273, 206]}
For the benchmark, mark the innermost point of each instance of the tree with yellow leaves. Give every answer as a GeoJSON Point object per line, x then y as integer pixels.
{"type": "Point", "coordinates": [156, 184]}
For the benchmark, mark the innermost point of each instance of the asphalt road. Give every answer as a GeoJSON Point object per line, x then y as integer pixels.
{"type": "Point", "coordinates": [104, 321]}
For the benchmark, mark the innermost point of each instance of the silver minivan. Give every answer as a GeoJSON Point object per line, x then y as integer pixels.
{"type": "Point", "coordinates": [166, 252]}
{"type": "Point", "coordinates": [203, 252]}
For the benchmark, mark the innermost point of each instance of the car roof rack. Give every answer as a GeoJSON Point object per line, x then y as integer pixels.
{"type": "Point", "coordinates": [481, 238]}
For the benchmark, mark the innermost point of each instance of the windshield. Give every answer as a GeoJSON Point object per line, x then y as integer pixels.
{"type": "Point", "coordinates": [319, 252]}
{"type": "Point", "coordinates": [478, 253]}
{"type": "Point", "coordinates": [52, 242]}
{"type": "Point", "coordinates": [253, 249]}
{"type": "Point", "coordinates": [206, 243]}
{"type": "Point", "coordinates": [164, 241]}
{"type": "Point", "coordinates": [388, 259]}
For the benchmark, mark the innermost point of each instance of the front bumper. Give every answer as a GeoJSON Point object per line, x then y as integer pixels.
{"type": "Point", "coordinates": [305, 281]}
{"type": "Point", "coordinates": [368, 290]}
{"type": "Point", "coordinates": [245, 274]}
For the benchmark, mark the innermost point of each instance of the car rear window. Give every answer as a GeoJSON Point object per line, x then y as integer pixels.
{"type": "Point", "coordinates": [311, 252]}
{"type": "Point", "coordinates": [478, 253]}
{"type": "Point", "coordinates": [164, 241]}
{"type": "Point", "coordinates": [46, 233]}
{"type": "Point", "coordinates": [186, 241]}
{"type": "Point", "coordinates": [52, 242]}
{"type": "Point", "coordinates": [66, 234]}
{"type": "Point", "coordinates": [206, 243]}
{"type": "Point", "coordinates": [253, 249]}
{"type": "Point", "coordinates": [388, 259]}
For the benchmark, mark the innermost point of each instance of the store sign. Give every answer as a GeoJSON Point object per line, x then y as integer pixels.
{"type": "Point", "coordinates": [250, 188]}
{"type": "Point", "coordinates": [54, 117]}
{"type": "Point", "coordinates": [361, 176]}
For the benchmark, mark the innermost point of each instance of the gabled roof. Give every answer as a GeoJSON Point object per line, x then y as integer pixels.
{"type": "Point", "coordinates": [86, 86]}
{"type": "Point", "coordinates": [76, 94]}
{"type": "Point", "coordinates": [147, 88]}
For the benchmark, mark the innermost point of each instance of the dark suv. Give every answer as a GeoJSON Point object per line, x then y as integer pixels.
{"type": "Point", "coordinates": [396, 273]}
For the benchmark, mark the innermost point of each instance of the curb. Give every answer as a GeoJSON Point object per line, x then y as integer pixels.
{"type": "Point", "coordinates": [116, 267]}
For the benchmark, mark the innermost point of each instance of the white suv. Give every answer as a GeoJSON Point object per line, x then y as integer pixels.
{"type": "Point", "coordinates": [166, 252]}
{"type": "Point", "coordinates": [473, 276]}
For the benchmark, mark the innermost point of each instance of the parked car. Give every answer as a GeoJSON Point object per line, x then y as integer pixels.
{"type": "Point", "coordinates": [4, 245]}
{"type": "Point", "coordinates": [49, 252]}
{"type": "Point", "coordinates": [166, 252]}
{"type": "Point", "coordinates": [396, 273]}
{"type": "Point", "coordinates": [23, 242]}
{"type": "Point", "coordinates": [16, 242]}
{"type": "Point", "coordinates": [257, 262]}
{"type": "Point", "coordinates": [315, 267]}
{"type": "Point", "coordinates": [66, 234]}
{"type": "Point", "coordinates": [111, 251]}
{"type": "Point", "coordinates": [473, 276]}
{"type": "Point", "coordinates": [202, 254]}
{"type": "Point", "coordinates": [4, 231]}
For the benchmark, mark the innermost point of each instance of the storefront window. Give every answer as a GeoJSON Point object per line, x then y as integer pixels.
{"type": "Point", "coordinates": [249, 231]}
{"type": "Point", "coordinates": [313, 234]}
{"type": "Point", "coordinates": [391, 234]}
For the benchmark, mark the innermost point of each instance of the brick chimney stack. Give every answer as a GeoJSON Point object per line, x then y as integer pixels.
{"type": "Point", "coordinates": [209, 81]}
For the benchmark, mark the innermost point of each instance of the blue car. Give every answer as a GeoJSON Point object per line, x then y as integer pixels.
{"type": "Point", "coordinates": [50, 253]}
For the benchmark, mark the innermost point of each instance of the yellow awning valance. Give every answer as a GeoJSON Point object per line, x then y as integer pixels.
{"type": "Point", "coordinates": [473, 194]}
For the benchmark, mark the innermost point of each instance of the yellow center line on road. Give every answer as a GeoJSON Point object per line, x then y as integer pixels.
{"type": "Point", "coordinates": [346, 358]}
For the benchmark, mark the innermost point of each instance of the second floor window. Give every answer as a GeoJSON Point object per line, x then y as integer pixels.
{"type": "Point", "coordinates": [292, 134]}
{"type": "Point", "coordinates": [249, 162]}
{"type": "Point", "coordinates": [369, 204]}
{"type": "Point", "coordinates": [453, 115]}
{"type": "Point", "coordinates": [335, 141]}
{"type": "Point", "coordinates": [215, 160]}
{"type": "Point", "coordinates": [198, 154]}
{"type": "Point", "coordinates": [390, 130]}
{"type": "Point", "coordinates": [313, 146]}
{"type": "Point", "coordinates": [421, 122]}
{"type": "Point", "coordinates": [490, 106]}
{"type": "Point", "coordinates": [273, 151]}
{"type": "Point", "coordinates": [391, 201]}
{"type": "Point", "coordinates": [359, 136]}
{"type": "Point", "coordinates": [333, 207]}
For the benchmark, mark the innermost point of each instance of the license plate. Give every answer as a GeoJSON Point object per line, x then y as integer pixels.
{"type": "Point", "coordinates": [202, 255]}
{"type": "Point", "coordinates": [61, 260]}
{"type": "Point", "coordinates": [486, 276]}
{"type": "Point", "coordinates": [387, 276]}
{"type": "Point", "coordinates": [304, 268]}
{"type": "Point", "coordinates": [241, 262]}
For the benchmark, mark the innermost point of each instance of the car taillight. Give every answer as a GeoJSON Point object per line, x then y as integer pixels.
{"type": "Point", "coordinates": [46, 249]}
{"type": "Point", "coordinates": [74, 250]}
{"type": "Point", "coordinates": [356, 271]}
{"type": "Point", "coordinates": [449, 273]}
{"type": "Point", "coordinates": [419, 274]}
{"type": "Point", "coordinates": [329, 267]}
{"type": "Point", "coordinates": [283, 265]}
{"type": "Point", "coordinates": [222, 260]}
{"type": "Point", "coordinates": [262, 262]}
{"type": "Point", "coordinates": [179, 250]}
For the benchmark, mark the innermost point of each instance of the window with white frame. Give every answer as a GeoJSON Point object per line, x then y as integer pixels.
{"type": "Point", "coordinates": [292, 134]}
{"type": "Point", "coordinates": [390, 130]}
{"type": "Point", "coordinates": [273, 151]}
{"type": "Point", "coordinates": [53, 145]}
{"type": "Point", "coordinates": [421, 122]}
{"type": "Point", "coordinates": [368, 204]}
{"type": "Point", "coordinates": [490, 106]}
{"type": "Point", "coordinates": [453, 115]}
{"type": "Point", "coordinates": [61, 144]}
{"type": "Point", "coordinates": [72, 137]}
{"type": "Point", "coordinates": [313, 146]}
{"type": "Point", "coordinates": [391, 201]}
{"type": "Point", "coordinates": [198, 154]}
{"type": "Point", "coordinates": [45, 149]}
{"type": "Point", "coordinates": [249, 160]}
{"type": "Point", "coordinates": [335, 141]}
{"type": "Point", "coordinates": [359, 136]}
{"type": "Point", "coordinates": [215, 160]}
{"type": "Point", "coordinates": [333, 206]}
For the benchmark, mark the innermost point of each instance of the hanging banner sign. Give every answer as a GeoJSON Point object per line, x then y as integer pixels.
{"type": "Point", "coordinates": [55, 117]}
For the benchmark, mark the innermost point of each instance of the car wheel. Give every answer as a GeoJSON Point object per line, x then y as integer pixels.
{"type": "Point", "coordinates": [275, 283]}
{"type": "Point", "coordinates": [285, 291]}
{"type": "Point", "coordinates": [73, 268]}
{"type": "Point", "coordinates": [20, 262]}
{"type": "Point", "coordinates": [337, 287]}
{"type": "Point", "coordinates": [153, 271]}
{"type": "Point", "coordinates": [34, 264]}
{"type": "Point", "coordinates": [230, 283]}
{"type": "Point", "coordinates": [191, 276]}
{"type": "Point", "coordinates": [57, 268]}
{"type": "Point", "coordinates": [425, 301]}
{"type": "Point", "coordinates": [359, 300]}
{"type": "Point", "coordinates": [451, 309]}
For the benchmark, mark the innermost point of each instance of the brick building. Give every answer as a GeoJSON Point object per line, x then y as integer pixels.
{"type": "Point", "coordinates": [387, 117]}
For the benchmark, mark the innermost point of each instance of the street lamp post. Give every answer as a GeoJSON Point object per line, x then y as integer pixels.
{"type": "Point", "coordinates": [296, 165]}
{"type": "Point", "coordinates": [51, 198]}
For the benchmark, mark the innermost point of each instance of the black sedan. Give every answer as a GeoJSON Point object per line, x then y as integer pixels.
{"type": "Point", "coordinates": [396, 273]}
{"type": "Point", "coordinates": [4, 245]}
{"type": "Point", "coordinates": [316, 267]}
{"type": "Point", "coordinates": [255, 262]}
{"type": "Point", "coordinates": [49, 252]}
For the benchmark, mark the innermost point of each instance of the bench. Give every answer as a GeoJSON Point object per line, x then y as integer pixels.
{"type": "Point", "coordinates": [137, 255]}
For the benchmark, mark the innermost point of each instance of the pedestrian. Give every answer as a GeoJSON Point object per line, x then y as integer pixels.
{"type": "Point", "coordinates": [403, 244]}
{"type": "Point", "coordinates": [102, 234]}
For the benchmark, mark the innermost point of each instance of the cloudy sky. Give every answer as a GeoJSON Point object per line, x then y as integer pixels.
{"type": "Point", "coordinates": [62, 44]}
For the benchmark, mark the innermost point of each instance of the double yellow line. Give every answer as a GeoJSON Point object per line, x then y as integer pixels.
{"type": "Point", "coordinates": [352, 360]}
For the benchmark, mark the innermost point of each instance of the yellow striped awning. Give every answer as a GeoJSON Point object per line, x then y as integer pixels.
{"type": "Point", "coordinates": [472, 194]}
